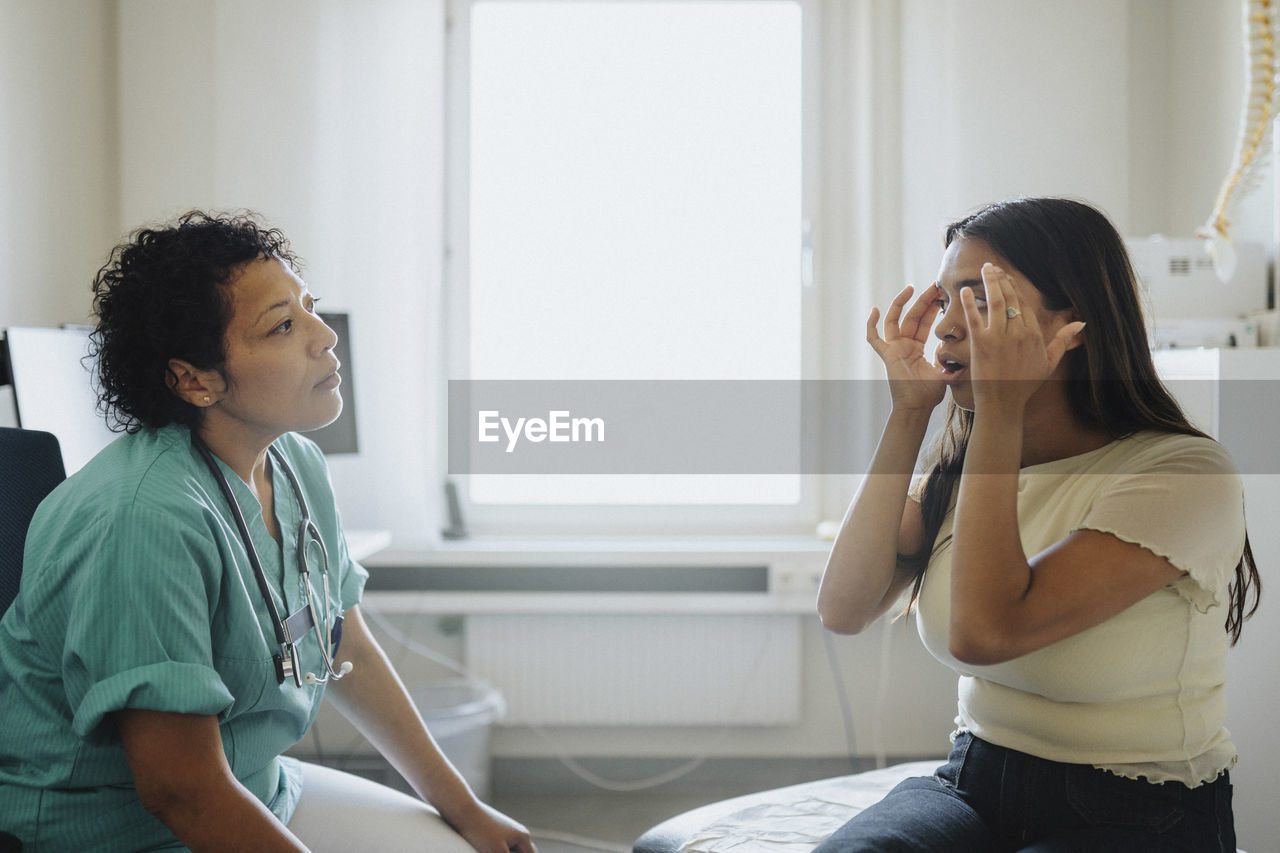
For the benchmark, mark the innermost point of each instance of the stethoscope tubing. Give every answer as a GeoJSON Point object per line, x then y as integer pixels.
{"type": "Point", "coordinates": [286, 662]}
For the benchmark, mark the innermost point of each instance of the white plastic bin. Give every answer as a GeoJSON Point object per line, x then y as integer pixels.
{"type": "Point", "coordinates": [459, 714]}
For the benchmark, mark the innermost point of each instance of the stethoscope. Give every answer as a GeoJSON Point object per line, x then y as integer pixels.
{"type": "Point", "coordinates": [286, 660]}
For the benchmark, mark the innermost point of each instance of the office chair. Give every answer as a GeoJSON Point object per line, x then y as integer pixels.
{"type": "Point", "coordinates": [30, 467]}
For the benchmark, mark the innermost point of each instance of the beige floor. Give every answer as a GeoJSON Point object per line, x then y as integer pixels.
{"type": "Point", "coordinates": [570, 823]}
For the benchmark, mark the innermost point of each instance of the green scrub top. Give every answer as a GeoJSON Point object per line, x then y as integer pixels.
{"type": "Point", "coordinates": [137, 592]}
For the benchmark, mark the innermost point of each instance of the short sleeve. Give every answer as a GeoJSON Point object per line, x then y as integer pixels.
{"type": "Point", "coordinates": [354, 577]}
{"type": "Point", "coordinates": [1183, 500]}
{"type": "Point", "coordinates": [134, 603]}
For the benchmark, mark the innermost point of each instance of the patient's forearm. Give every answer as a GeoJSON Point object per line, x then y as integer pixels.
{"type": "Point", "coordinates": [863, 577]}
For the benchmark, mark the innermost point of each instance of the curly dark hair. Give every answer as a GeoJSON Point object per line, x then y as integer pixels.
{"type": "Point", "coordinates": [162, 295]}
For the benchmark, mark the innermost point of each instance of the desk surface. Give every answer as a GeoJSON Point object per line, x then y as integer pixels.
{"type": "Point", "coordinates": [362, 544]}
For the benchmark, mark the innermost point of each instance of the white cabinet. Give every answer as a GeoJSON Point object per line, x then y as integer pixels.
{"type": "Point", "coordinates": [1234, 395]}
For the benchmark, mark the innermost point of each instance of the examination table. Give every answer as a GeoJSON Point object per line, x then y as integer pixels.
{"type": "Point", "coordinates": [794, 819]}
{"type": "Point", "coordinates": [784, 820]}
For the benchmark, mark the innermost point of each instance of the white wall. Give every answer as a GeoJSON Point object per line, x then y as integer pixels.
{"type": "Point", "coordinates": [1132, 106]}
{"type": "Point", "coordinates": [325, 117]}
{"type": "Point", "coordinates": [1010, 98]}
{"type": "Point", "coordinates": [57, 157]}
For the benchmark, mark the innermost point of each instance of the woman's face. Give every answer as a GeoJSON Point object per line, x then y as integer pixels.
{"type": "Point", "coordinates": [962, 267]}
{"type": "Point", "coordinates": [280, 374]}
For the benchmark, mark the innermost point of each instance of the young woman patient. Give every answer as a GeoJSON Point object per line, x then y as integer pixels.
{"type": "Point", "coordinates": [147, 688]}
{"type": "Point", "coordinates": [1075, 549]}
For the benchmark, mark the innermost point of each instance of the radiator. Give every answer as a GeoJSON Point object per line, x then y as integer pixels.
{"type": "Point", "coordinates": [603, 670]}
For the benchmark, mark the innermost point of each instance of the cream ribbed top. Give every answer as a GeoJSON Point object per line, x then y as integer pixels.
{"type": "Point", "coordinates": [1141, 694]}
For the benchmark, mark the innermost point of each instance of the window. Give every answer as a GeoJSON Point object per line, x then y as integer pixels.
{"type": "Point", "coordinates": [629, 204]}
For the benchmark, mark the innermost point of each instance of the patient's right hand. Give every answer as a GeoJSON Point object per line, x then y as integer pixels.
{"type": "Point", "coordinates": [914, 382]}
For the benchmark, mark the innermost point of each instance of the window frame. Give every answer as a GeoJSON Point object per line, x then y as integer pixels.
{"type": "Point", "coordinates": [623, 520]}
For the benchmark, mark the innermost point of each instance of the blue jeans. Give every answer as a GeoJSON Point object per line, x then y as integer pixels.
{"type": "Point", "coordinates": [987, 798]}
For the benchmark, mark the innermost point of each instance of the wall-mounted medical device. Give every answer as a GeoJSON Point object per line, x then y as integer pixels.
{"type": "Point", "coordinates": [1187, 305]}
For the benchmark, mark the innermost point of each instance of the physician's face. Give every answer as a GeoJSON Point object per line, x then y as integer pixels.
{"type": "Point", "coordinates": [281, 374]}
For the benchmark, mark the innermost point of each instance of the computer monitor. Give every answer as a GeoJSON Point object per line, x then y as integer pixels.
{"type": "Point", "coordinates": [53, 390]}
{"type": "Point", "coordinates": [340, 436]}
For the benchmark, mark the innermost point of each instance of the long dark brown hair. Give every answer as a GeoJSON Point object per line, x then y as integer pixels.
{"type": "Point", "coordinates": [1076, 259]}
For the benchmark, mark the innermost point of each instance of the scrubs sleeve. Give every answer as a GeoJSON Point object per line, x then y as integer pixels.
{"type": "Point", "coordinates": [139, 611]}
{"type": "Point", "coordinates": [354, 577]}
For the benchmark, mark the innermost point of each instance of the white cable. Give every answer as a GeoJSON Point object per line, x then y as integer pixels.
{"type": "Point", "coordinates": [569, 762]}
{"type": "Point", "coordinates": [670, 775]}
{"type": "Point", "coordinates": [882, 693]}
{"type": "Point", "coordinates": [343, 756]}
{"type": "Point", "coordinates": [842, 696]}
{"type": "Point", "coordinates": [413, 645]}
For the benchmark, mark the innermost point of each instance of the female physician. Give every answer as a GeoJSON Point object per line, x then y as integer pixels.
{"type": "Point", "coordinates": [187, 596]}
{"type": "Point", "coordinates": [1075, 549]}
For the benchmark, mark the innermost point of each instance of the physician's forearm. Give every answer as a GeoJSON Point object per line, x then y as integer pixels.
{"type": "Point", "coordinates": [375, 700]}
{"type": "Point", "coordinates": [227, 818]}
{"type": "Point", "coordinates": [182, 777]}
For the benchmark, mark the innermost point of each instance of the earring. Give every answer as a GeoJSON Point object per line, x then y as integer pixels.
{"type": "Point", "coordinates": [207, 400]}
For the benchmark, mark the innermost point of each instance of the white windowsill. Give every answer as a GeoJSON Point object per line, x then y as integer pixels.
{"type": "Point", "coordinates": [362, 544]}
{"type": "Point", "coordinates": [616, 550]}
{"type": "Point", "coordinates": [705, 603]}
